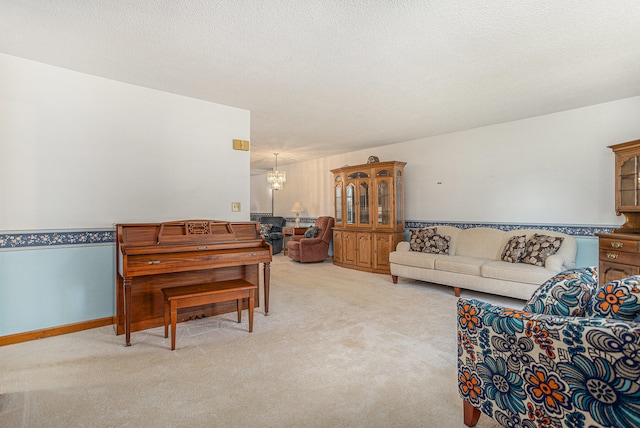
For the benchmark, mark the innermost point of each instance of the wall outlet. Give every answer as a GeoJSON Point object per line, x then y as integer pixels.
{"type": "Point", "coordinates": [235, 207]}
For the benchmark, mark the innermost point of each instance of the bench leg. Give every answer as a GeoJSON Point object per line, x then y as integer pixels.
{"type": "Point", "coordinates": [174, 320]}
{"type": "Point", "coordinates": [239, 304]}
{"type": "Point", "coordinates": [251, 306]}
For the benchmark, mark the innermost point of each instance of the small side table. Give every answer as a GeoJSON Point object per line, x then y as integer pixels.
{"type": "Point", "coordinates": [288, 232]}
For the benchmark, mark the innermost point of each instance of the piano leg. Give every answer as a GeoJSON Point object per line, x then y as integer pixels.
{"type": "Point", "coordinates": [127, 310]}
{"type": "Point", "coordinates": [267, 274]}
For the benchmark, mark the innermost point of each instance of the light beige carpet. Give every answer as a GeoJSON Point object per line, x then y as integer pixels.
{"type": "Point", "coordinates": [340, 348]}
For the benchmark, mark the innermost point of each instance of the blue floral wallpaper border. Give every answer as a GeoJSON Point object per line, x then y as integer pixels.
{"type": "Point", "coordinates": [49, 239]}
{"type": "Point", "coordinates": [56, 238]}
{"type": "Point", "coordinates": [567, 229]}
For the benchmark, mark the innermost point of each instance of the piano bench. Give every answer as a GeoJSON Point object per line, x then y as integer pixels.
{"type": "Point", "coordinates": [203, 294]}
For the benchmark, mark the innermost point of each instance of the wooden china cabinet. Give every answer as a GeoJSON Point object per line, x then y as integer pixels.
{"type": "Point", "coordinates": [620, 251]}
{"type": "Point", "coordinates": [369, 214]}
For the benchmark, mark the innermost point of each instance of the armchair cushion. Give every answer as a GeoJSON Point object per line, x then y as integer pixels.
{"type": "Point", "coordinates": [418, 237]}
{"type": "Point", "coordinates": [567, 293]}
{"type": "Point", "coordinates": [618, 299]}
{"type": "Point", "coordinates": [531, 370]}
{"type": "Point", "coordinates": [265, 229]}
{"type": "Point", "coordinates": [539, 247]}
{"type": "Point", "coordinates": [311, 232]}
{"type": "Point", "coordinates": [437, 244]}
{"type": "Point", "coordinates": [514, 249]}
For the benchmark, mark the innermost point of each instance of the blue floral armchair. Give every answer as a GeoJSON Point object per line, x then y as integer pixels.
{"type": "Point", "coordinates": [553, 369]}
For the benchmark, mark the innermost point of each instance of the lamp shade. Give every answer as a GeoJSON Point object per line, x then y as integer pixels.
{"type": "Point", "coordinates": [297, 207]}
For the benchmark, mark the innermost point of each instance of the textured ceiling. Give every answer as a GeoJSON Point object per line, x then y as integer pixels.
{"type": "Point", "coordinates": [330, 76]}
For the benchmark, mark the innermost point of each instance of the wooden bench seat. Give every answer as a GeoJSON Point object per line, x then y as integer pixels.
{"type": "Point", "coordinates": [203, 294]}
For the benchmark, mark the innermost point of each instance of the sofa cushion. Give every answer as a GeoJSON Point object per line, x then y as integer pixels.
{"type": "Point", "coordinates": [514, 249]}
{"type": "Point", "coordinates": [567, 293]}
{"type": "Point", "coordinates": [265, 229]}
{"type": "Point", "coordinates": [437, 244]}
{"type": "Point", "coordinates": [517, 272]}
{"type": "Point", "coordinates": [539, 247]}
{"type": "Point", "coordinates": [618, 299]}
{"type": "Point", "coordinates": [460, 264]}
{"type": "Point", "coordinates": [414, 259]}
{"type": "Point", "coordinates": [481, 242]}
{"type": "Point", "coordinates": [418, 237]}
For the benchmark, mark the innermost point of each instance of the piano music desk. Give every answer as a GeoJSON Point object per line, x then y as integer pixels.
{"type": "Point", "coordinates": [203, 294]}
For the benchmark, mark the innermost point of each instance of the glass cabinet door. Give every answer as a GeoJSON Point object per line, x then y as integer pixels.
{"type": "Point", "coordinates": [338, 202]}
{"type": "Point", "coordinates": [351, 203]}
{"type": "Point", "coordinates": [399, 199]}
{"type": "Point", "coordinates": [629, 185]}
{"type": "Point", "coordinates": [363, 190]}
{"type": "Point", "coordinates": [384, 202]}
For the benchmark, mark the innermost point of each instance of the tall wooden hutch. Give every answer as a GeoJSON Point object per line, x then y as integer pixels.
{"type": "Point", "coordinates": [369, 213]}
{"type": "Point", "coordinates": [620, 251]}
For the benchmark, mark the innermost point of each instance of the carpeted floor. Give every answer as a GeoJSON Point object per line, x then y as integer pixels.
{"type": "Point", "coordinates": [340, 348]}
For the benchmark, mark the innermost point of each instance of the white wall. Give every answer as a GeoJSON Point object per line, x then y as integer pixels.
{"type": "Point", "coordinates": [260, 194]}
{"type": "Point", "coordinates": [80, 151]}
{"type": "Point", "coordinates": [554, 169]}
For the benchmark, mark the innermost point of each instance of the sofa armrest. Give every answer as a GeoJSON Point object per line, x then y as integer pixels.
{"type": "Point", "coordinates": [403, 246]}
{"type": "Point", "coordinates": [518, 366]}
{"type": "Point", "coordinates": [557, 263]}
{"type": "Point", "coordinates": [311, 241]}
{"type": "Point", "coordinates": [554, 263]}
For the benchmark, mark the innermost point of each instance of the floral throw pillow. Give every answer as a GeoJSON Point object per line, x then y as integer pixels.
{"type": "Point", "coordinates": [265, 229]}
{"type": "Point", "coordinates": [514, 249]}
{"type": "Point", "coordinates": [567, 293]}
{"type": "Point", "coordinates": [418, 238]}
{"type": "Point", "coordinates": [437, 244]}
{"type": "Point", "coordinates": [311, 232]}
{"type": "Point", "coordinates": [618, 299]}
{"type": "Point", "coordinates": [539, 247]}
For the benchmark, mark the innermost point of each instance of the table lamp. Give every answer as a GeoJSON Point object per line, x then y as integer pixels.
{"type": "Point", "coordinates": [297, 207]}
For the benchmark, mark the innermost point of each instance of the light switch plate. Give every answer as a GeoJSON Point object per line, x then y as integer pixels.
{"type": "Point", "coordinates": [235, 207]}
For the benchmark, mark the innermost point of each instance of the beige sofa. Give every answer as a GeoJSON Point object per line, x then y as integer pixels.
{"type": "Point", "coordinates": [474, 262]}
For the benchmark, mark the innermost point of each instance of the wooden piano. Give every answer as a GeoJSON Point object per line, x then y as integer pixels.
{"type": "Point", "coordinates": [153, 256]}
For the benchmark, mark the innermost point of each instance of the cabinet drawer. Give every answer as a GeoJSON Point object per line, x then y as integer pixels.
{"type": "Point", "coordinates": [624, 245]}
{"type": "Point", "coordinates": [621, 257]}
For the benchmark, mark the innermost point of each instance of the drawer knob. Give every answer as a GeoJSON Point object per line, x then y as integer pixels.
{"type": "Point", "coordinates": [154, 262]}
{"type": "Point", "coordinates": [612, 256]}
{"type": "Point", "coordinates": [617, 244]}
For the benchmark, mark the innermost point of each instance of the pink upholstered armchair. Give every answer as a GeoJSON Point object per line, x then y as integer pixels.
{"type": "Point", "coordinates": [316, 249]}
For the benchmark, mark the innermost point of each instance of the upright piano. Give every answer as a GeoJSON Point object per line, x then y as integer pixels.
{"type": "Point", "coordinates": [152, 256]}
